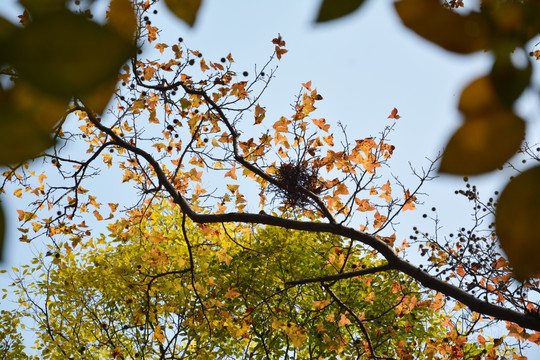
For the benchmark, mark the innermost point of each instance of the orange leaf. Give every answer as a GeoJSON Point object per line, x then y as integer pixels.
{"type": "Point", "coordinates": [343, 321]}
{"type": "Point", "coordinates": [460, 270]}
{"type": "Point", "coordinates": [321, 124]}
{"type": "Point", "coordinates": [278, 41]}
{"type": "Point", "coordinates": [394, 114]}
{"type": "Point", "coordinates": [409, 201]}
{"type": "Point", "coordinates": [363, 205]}
{"type": "Point", "coordinates": [231, 173]}
{"type": "Point", "coordinates": [231, 294]}
{"type": "Point", "coordinates": [280, 51]}
{"type": "Point", "coordinates": [260, 113]}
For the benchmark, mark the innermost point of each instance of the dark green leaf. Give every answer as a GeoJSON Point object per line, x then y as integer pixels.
{"type": "Point", "coordinates": [331, 9]}
{"type": "Point", "coordinates": [2, 231]}
{"type": "Point", "coordinates": [185, 9]}
{"type": "Point", "coordinates": [509, 81]}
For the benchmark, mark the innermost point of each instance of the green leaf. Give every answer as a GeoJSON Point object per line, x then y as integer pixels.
{"type": "Point", "coordinates": [483, 143]}
{"type": "Point", "coordinates": [331, 10]}
{"type": "Point", "coordinates": [517, 223]}
{"type": "Point", "coordinates": [185, 103]}
{"type": "Point", "coordinates": [185, 9]}
{"type": "Point", "coordinates": [462, 34]}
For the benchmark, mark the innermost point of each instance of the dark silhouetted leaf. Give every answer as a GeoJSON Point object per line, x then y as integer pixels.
{"type": "Point", "coordinates": [517, 222]}
{"type": "Point", "coordinates": [63, 54]}
{"type": "Point", "coordinates": [185, 9]}
{"type": "Point", "coordinates": [6, 32]}
{"type": "Point", "coordinates": [2, 231]}
{"type": "Point", "coordinates": [331, 10]}
{"type": "Point", "coordinates": [40, 8]}
{"type": "Point", "coordinates": [483, 143]}
{"type": "Point", "coordinates": [458, 33]}
{"type": "Point", "coordinates": [508, 81]}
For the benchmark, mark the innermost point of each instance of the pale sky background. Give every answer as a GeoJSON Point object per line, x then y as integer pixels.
{"type": "Point", "coordinates": [364, 65]}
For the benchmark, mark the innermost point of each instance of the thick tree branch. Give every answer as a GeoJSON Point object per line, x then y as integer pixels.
{"type": "Point", "coordinates": [525, 320]}
{"type": "Point", "coordinates": [340, 276]}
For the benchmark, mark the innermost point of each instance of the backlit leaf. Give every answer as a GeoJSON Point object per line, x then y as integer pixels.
{"type": "Point", "coordinates": [74, 62]}
{"type": "Point", "coordinates": [517, 222]}
{"type": "Point", "coordinates": [331, 10]}
{"type": "Point", "coordinates": [26, 120]}
{"type": "Point", "coordinates": [122, 18]}
{"type": "Point", "coordinates": [483, 143]}
{"type": "Point", "coordinates": [458, 33]}
{"type": "Point", "coordinates": [185, 9]}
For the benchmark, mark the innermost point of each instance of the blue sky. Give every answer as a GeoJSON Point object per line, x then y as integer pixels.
{"type": "Point", "coordinates": [364, 65]}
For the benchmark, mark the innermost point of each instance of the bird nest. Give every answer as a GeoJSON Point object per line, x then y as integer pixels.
{"type": "Point", "coordinates": [293, 180]}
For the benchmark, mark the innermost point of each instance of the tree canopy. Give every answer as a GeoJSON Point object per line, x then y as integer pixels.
{"type": "Point", "coordinates": [293, 251]}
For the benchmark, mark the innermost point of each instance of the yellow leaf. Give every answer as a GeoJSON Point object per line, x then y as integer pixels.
{"type": "Point", "coordinates": [159, 335]}
{"type": "Point", "coordinates": [517, 223]}
{"type": "Point", "coordinates": [36, 226]}
{"type": "Point", "coordinates": [185, 9]}
{"type": "Point", "coordinates": [18, 193]}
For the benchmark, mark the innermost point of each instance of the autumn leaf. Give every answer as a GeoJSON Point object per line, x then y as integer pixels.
{"type": "Point", "coordinates": [18, 193]}
{"type": "Point", "coordinates": [517, 222]}
{"type": "Point", "coordinates": [409, 201]}
{"type": "Point", "coordinates": [186, 10]}
{"type": "Point", "coordinates": [260, 113]}
{"type": "Point", "coordinates": [159, 335]}
{"type": "Point", "coordinates": [231, 173]}
{"type": "Point", "coordinates": [363, 205]}
{"type": "Point", "coordinates": [278, 41]}
{"type": "Point", "coordinates": [394, 114]}
{"type": "Point", "coordinates": [280, 52]}
{"type": "Point", "coordinates": [321, 124]}
{"type": "Point", "coordinates": [232, 293]}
